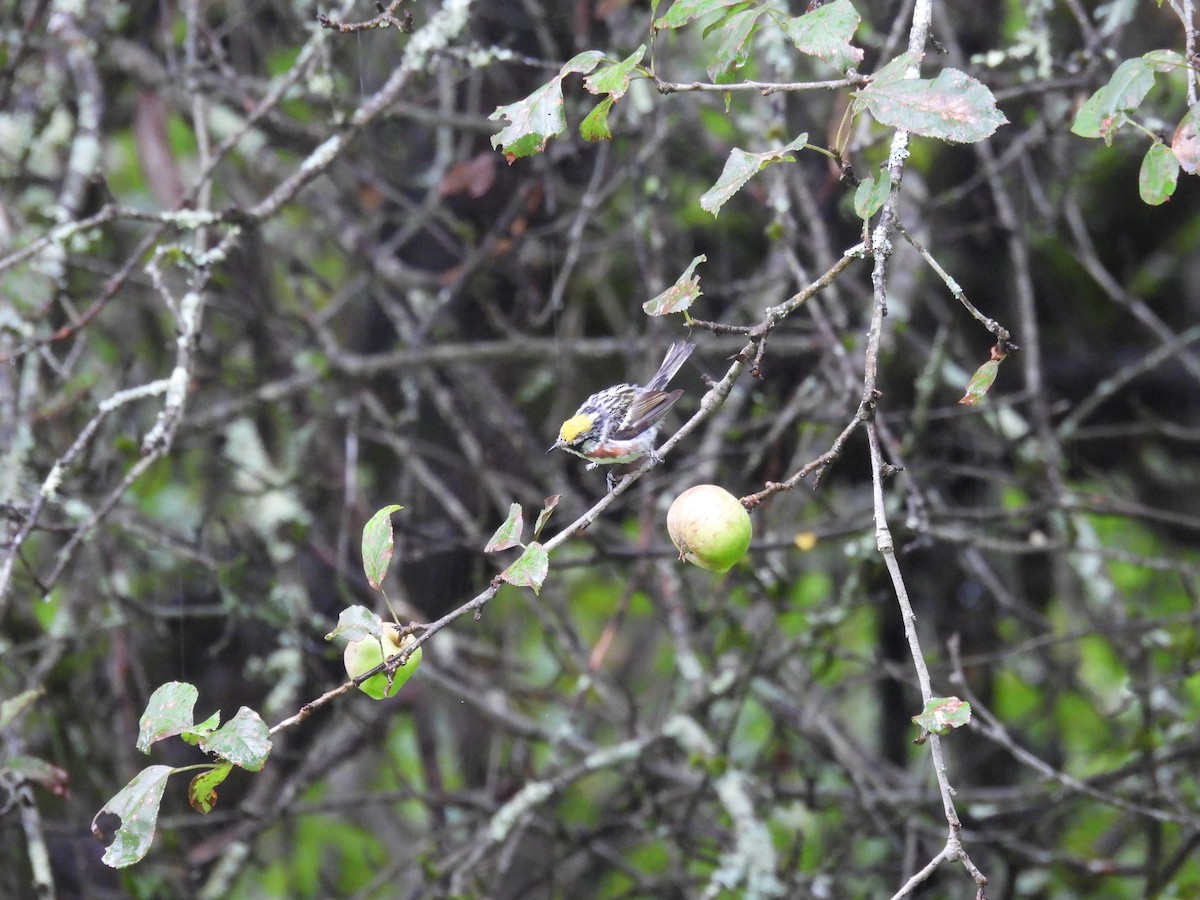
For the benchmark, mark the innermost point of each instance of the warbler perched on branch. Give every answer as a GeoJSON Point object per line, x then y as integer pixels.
{"type": "Point", "coordinates": [619, 424]}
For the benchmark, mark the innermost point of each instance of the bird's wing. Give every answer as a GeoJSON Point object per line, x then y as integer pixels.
{"type": "Point", "coordinates": [645, 411]}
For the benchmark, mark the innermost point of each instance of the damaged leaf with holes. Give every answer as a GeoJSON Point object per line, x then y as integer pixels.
{"type": "Point", "coordinates": [942, 715]}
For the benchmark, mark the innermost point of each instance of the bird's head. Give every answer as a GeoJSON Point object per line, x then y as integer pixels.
{"type": "Point", "coordinates": [575, 430]}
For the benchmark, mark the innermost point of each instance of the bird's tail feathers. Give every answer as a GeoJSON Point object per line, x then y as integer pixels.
{"type": "Point", "coordinates": [671, 364]}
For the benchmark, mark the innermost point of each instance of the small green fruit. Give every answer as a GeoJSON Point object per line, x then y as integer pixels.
{"type": "Point", "coordinates": [709, 527]}
{"type": "Point", "coordinates": [362, 656]}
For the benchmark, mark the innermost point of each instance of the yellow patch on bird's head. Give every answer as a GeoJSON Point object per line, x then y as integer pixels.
{"type": "Point", "coordinates": [574, 427]}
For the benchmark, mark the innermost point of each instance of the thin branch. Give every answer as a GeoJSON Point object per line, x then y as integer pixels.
{"type": "Point", "coordinates": [990, 727]}
{"type": "Point", "coordinates": [761, 87]}
{"type": "Point", "coordinates": [817, 465]}
{"type": "Point", "coordinates": [387, 18]}
{"type": "Point", "coordinates": [1003, 337]}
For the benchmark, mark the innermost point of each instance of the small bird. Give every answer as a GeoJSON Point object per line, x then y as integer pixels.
{"type": "Point", "coordinates": [619, 424]}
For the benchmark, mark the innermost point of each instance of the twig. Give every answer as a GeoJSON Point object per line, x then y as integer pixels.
{"type": "Point", "coordinates": [1003, 337]}
{"type": "Point", "coordinates": [983, 721]}
{"type": "Point", "coordinates": [881, 251]}
{"type": "Point", "coordinates": [1173, 348]}
{"type": "Point", "coordinates": [817, 465]}
{"type": "Point", "coordinates": [386, 19]}
{"type": "Point", "coordinates": [762, 87]}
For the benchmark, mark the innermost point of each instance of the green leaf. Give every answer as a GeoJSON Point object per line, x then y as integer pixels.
{"type": "Point", "coordinates": [1106, 110]}
{"type": "Point", "coordinates": [594, 126]}
{"type": "Point", "coordinates": [683, 11]}
{"type": "Point", "coordinates": [734, 50]}
{"type": "Point", "coordinates": [1158, 175]}
{"type": "Point", "coordinates": [980, 382]}
{"type": "Point", "coordinates": [740, 168]}
{"type": "Point", "coordinates": [539, 117]}
{"type": "Point", "coordinates": [202, 792]}
{"type": "Point", "coordinates": [530, 569]}
{"type": "Point", "coordinates": [356, 623]}
{"type": "Point", "coordinates": [679, 296]}
{"type": "Point", "coordinates": [825, 33]}
{"type": "Point", "coordinates": [508, 534]}
{"type": "Point", "coordinates": [244, 740]}
{"type": "Point", "coordinates": [38, 771]}
{"type": "Point", "coordinates": [11, 708]}
{"type": "Point", "coordinates": [953, 107]}
{"type": "Point", "coordinates": [548, 507]}
{"type": "Point", "coordinates": [194, 734]}
{"type": "Point", "coordinates": [1186, 142]}
{"type": "Point", "coordinates": [894, 72]}
{"type": "Point", "coordinates": [614, 79]}
{"type": "Point", "coordinates": [169, 712]}
{"type": "Point", "coordinates": [137, 804]}
{"type": "Point", "coordinates": [1164, 61]}
{"type": "Point", "coordinates": [941, 714]}
{"type": "Point", "coordinates": [377, 543]}
{"type": "Point", "coordinates": [872, 193]}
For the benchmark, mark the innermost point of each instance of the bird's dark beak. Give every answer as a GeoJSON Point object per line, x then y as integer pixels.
{"type": "Point", "coordinates": [555, 445]}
